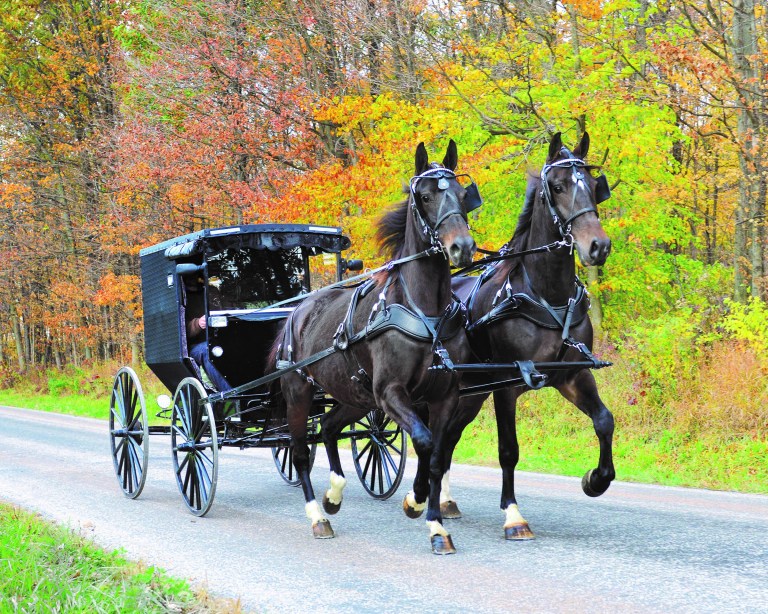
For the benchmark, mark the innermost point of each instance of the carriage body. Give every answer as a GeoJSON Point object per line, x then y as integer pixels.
{"type": "Point", "coordinates": [254, 267]}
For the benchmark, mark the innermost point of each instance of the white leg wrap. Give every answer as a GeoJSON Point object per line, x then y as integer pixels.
{"type": "Point", "coordinates": [411, 500]}
{"type": "Point", "coordinates": [435, 528]}
{"type": "Point", "coordinates": [336, 492]}
{"type": "Point", "coordinates": [445, 488]}
{"type": "Point", "coordinates": [514, 519]}
{"type": "Point", "coordinates": [313, 512]}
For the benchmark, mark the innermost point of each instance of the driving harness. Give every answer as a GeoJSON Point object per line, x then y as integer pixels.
{"type": "Point", "coordinates": [409, 320]}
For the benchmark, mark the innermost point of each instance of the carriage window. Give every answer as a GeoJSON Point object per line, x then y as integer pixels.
{"type": "Point", "coordinates": [254, 278]}
{"type": "Point", "coordinates": [322, 270]}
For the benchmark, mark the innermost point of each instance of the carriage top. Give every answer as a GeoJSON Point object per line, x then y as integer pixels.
{"type": "Point", "coordinates": [253, 265]}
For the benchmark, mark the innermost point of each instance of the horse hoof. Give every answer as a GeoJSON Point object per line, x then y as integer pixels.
{"type": "Point", "coordinates": [588, 486]}
{"type": "Point", "coordinates": [322, 530]}
{"type": "Point", "coordinates": [449, 509]}
{"type": "Point", "coordinates": [442, 544]}
{"type": "Point", "coordinates": [518, 533]}
{"type": "Point", "coordinates": [411, 512]}
{"type": "Point", "coordinates": [330, 508]}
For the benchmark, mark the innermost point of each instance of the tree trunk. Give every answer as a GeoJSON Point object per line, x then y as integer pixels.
{"type": "Point", "coordinates": [135, 352]}
{"type": "Point", "coordinates": [747, 245]}
{"type": "Point", "coordinates": [596, 307]}
{"type": "Point", "coordinates": [18, 339]}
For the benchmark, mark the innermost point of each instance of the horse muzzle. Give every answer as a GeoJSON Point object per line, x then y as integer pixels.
{"type": "Point", "coordinates": [461, 251]}
{"type": "Point", "coordinates": [596, 252]}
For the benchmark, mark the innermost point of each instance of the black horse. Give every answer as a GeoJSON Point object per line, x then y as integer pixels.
{"type": "Point", "coordinates": [533, 308]}
{"type": "Point", "coordinates": [386, 342]}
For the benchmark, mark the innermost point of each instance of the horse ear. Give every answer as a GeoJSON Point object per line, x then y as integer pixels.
{"type": "Point", "coordinates": [555, 145]}
{"type": "Point", "coordinates": [583, 147]}
{"type": "Point", "coordinates": [451, 160]}
{"type": "Point", "coordinates": [422, 159]}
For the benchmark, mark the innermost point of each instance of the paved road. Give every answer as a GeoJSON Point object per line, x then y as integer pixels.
{"type": "Point", "coordinates": [636, 549]}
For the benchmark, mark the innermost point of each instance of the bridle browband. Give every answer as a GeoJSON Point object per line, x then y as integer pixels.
{"type": "Point", "coordinates": [577, 166]}
{"type": "Point", "coordinates": [448, 206]}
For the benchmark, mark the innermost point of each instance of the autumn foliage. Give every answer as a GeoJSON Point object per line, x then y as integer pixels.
{"type": "Point", "coordinates": [126, 123]}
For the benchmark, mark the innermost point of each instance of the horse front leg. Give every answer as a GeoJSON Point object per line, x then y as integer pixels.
{"type": "Point", "coordinates": [516, 527]}
{"type": "Point", "coordinates": [466, 411]}
{"type": "Point", "coordinates": [298, 396]}
{"type": "Point", "coordinates": [439, 420]}
{"type": "Point", "coordinates": [394, 400]}
{"type": "Point", "coordinates": [581, 390]}
{"type": "Point", "coordinates": [332, 424]}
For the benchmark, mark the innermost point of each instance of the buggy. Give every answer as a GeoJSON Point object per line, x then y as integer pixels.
{"type": "Point", "coordinates": [247, 280]}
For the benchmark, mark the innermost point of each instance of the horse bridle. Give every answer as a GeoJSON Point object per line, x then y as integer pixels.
{"type": "Point", "coordinates": [447, 207]}
{"type": "Point", "coordinates": [577, 165]}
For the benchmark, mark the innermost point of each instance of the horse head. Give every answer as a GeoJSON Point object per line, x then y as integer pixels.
{"type": "Point", "coordinates": [440, 200]}
{"type": "Point", "coordinates": [572, 194]}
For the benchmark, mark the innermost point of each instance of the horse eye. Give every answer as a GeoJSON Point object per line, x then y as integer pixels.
{"type": "Point", "coordinates": [425, 198]}
{"type": "Point", "coordinates": [557, 188]}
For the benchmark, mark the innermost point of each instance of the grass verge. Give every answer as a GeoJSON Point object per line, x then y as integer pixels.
{"type": "Point", "coordinates": [47, 568]}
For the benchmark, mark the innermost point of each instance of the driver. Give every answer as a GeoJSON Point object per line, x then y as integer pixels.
{"type": "Point", "coordinates": [196, 325]}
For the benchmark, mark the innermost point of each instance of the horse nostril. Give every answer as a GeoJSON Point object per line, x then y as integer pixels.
{"type": "Point", "coordinates": [599, 249]}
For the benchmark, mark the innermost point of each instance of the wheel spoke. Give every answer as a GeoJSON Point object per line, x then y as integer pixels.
{"type": "Point", "coordinates": [369, 460]}
{"type": "Point", "coordinates": [390, 462]}
{"type": "Point", "coordinates": [182, 464]}
{"type": "Point", "coordinates": [204, 479]}
{"type": "Point", "coordinates": [364, 449]}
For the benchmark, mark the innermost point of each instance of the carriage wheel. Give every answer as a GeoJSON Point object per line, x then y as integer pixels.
{"type": "Point", "coordinates": [129, 432]}
{"type": "Point", "coordinates": [194, 446]}
{"type": "Point", "coordinates": [380, 463]}
{"type": "Point", "coordinates": [283, 457]}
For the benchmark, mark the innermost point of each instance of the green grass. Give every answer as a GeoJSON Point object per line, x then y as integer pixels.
{"type": "Point", "coordinates": [47, 568]}
{"type": "Point", "coordinates": [555, 437]}
{"type": "Point", "coordinates": [74, 405]}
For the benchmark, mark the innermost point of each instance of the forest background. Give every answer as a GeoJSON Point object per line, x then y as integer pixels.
{"type": "Point", "coordinates": [126, 122]}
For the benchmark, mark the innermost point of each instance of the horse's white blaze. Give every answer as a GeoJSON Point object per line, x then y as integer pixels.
{"type": "Point", "coordinates": [410, 499]}
{"type": "Point", "coordinates": [514, 518]}
{"type": "Point", "coordinates": [336, 492]}
{"type": "Point", "coordinates": [445, 488]}
{"type": "Point", "coordinates": [435, 528]}
{"type": "Point", "coordinates": [314, 513]}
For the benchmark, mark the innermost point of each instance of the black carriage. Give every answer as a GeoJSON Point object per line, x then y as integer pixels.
{"type": "Point", "coordinates": [247, 280]}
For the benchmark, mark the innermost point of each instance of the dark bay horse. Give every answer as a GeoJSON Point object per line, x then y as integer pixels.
{"type": "Point", "coordinates": [384, 336]}
{"type": "Point", "coordinates": [534, 308]}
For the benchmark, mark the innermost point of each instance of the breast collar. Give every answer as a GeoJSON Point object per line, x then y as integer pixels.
{"type": "Point", "coordinates": [510, 304]}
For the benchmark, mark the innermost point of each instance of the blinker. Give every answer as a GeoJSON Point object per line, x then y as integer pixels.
{"type": "Point", "coordinates": [602, 189]}
{"type": "Point", "coordinates": [472, 198]}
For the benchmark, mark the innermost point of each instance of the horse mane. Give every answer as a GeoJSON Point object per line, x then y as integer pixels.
{"type": "Point", "coordinates": [520, 237]}
{"type": "Point", "coordinates": [390, 231]}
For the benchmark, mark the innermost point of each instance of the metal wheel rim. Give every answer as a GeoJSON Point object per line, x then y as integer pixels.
{"type": "Point", "coordinates": [380, 463]}
{"type": "Point", "coordinates": [194, 446]}
{"type": "Point", "coordinates": [129, 432]}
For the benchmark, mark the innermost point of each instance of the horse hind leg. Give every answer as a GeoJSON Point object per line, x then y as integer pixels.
{"type": "Point", "coordinates": [467, 410]}
{"type": "Point", "coordinates": [332, 424]}
{"type": "Point", "coordinates": [581, 390]}
{"type": "Point", "coordinates": [298, 395]}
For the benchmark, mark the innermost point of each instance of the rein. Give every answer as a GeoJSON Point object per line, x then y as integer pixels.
{"type": "Point", "coordinates": [505, 254]}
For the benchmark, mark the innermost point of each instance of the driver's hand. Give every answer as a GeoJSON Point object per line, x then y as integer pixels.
{"type": "Point", "coordinates": [201, 321]}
